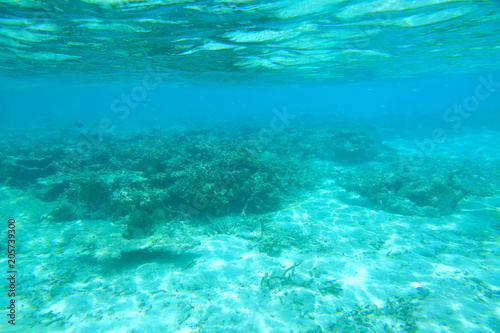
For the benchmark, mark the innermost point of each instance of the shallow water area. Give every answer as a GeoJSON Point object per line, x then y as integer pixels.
{"type": "Point", "coordinates": [250, 166]}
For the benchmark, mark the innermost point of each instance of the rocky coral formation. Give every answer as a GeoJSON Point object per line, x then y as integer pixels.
{"type": "Point", "coordinates": [144, 179]}
{"type": "Point", "coordinates": [432, 189]}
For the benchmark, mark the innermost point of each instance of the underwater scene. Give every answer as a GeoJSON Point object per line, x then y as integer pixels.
{"type": "Point", "coordinates": [250, 166]}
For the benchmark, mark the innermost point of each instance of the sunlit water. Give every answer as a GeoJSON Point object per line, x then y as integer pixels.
{"type": "Point", "coordinates": [251, 166]}
{"type": "Point", "coordinates": [264, 41]}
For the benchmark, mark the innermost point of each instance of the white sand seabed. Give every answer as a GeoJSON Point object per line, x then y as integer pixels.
{"type": "Point", "coordinates": [355, 268]}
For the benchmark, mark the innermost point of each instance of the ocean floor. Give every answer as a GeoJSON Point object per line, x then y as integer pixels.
{"type": "Point", "coordinates": [319, 264]}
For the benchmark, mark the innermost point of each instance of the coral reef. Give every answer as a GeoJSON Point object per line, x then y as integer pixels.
{"type": "Point", "coordinates": [144, 179]}
{"type": "Point", "coordinates": [433, 189]}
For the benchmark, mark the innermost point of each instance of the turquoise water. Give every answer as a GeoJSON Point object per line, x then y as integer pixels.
{"type": "Point", "coordinates": [250, 166]}
{"type": "Point", "coordinates": [276, 41]}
